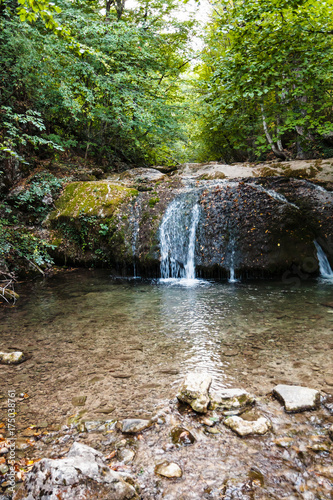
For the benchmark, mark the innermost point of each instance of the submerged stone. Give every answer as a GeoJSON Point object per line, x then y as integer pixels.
{"type": "Point", "coordinates": [82, 474]}
{"type": "Point", "coordinates": [11, 358]}
{"type": "Point", "coordinates": [231, 401]}
{"type": "Point", "coordinates": [133, 425]}
{"type": "Point", "coordinates": [296, 398]}
{"type": "Point", "coordinates": [181, 436]}
{"type": "Point", "coordinates": [194, 391]}
{"type": "Point", "coordinates": [247, 427]}
{"type": "Point", "coordinates": [168, 469]}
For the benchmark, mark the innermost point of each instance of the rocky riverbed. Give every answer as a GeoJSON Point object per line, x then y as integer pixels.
{"type": "Point", "coordinates": [100, 352]}
{"type": "Point", "coordinates": [248, 447]}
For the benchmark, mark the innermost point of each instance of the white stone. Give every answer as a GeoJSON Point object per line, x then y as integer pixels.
{"type": "Point", "coordinates": [247, 427]}
{"type": "Point", "coordinates": [194, 391]}
{"type": "Point", "coordinates": [168, 469]}
{"type": "Point", "coordinates": [82, 474]}
{"type": "Point", "coordinates": [231, 401]}
{"type": "Point", "coordinates": [296, 398]}
{"type": "Point", "coordinates": [11, 358]}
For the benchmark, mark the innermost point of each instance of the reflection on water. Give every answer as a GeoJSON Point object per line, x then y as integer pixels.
{"type": "Point", "coordinates": [129, 343]}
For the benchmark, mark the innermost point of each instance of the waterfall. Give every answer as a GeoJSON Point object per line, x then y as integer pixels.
{"type": "Point", "coordinates": [232, 278]}
{"type": "Point", "coordinates": [190, 265]}
{"type": "Point", "coordinates": [178, 238]}
{"type": "Point", "coordinates": [324, 265]}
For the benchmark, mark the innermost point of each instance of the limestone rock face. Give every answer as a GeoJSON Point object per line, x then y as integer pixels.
{"type": "Point", "coordinates": [194, 391]}
{"type": "Point", "coordinates": [231, 401]}
{"type": "Point", "coordinates": [11, 358]}
{"type": "Point", "coordinates": [296, 398]}
{"type": "Point", "coordinates": [246, 427]}
{"type": "Point", "coordinates": [82, 474]}
{"type": "Point", "coordinates": [271, 222]}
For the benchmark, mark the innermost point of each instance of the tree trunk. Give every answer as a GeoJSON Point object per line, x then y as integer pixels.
{"type": "Point", "coordinates": [278, 153]}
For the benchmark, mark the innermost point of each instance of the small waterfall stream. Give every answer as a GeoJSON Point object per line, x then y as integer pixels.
{"type": "Point", "coordinates": [324, 265]}
{"type": "Point", "coordinates": [178, 238]}
{"type": "Point", "coordinates": [232, 278]}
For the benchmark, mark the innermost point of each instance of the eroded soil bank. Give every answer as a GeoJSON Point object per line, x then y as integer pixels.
{"type": "Point", "coordinates": [102, 349]}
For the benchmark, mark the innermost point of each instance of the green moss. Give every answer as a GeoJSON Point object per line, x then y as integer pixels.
{"type": "Point", "coordinates": [152, 202]}
{"type": "Point", "coordinates": [99, 198]}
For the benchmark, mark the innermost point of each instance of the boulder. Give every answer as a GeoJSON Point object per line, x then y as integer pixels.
{"type": "Point", "coordinates": [247, 427]}
{"type": "Point", "coordinates": [168, 469]}
{"type": "Point", "coordinates": [231, 401]}
{"type": "Point", "coordinates": [133, 425]}
{"type": "Point", "coordinates": [11, 358]}
{"type": "Point", "coordinates": [194, 391]}
{"type": "Point", "coordinates": [296, 398]}
{"type": "Point", "coordinates": [82, 474]}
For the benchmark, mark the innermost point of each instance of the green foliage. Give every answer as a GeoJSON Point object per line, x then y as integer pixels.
{"type": "Point", "coordinates": [18, 244]}
{"type": "Point", "coordinates": [17, 134]}
{"type": "Point", "coordinates": [111, 89]}
{"type": "Point", "coordinates": [272, 60]}
{"type": "Point", "coordinates": [37, 198]}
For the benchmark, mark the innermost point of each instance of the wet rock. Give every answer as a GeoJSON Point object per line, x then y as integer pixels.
{"type": "Point", "coordinates": [212, 430]}
{"type": "Point", "coordinates": [208, 421]}
{"type": "Point", "coordinates": [246, 427]}
{"type": "Point", "coordinates": [125, 455]}
{"type": "Point", "coordinates": [181, 437]}
{"type": "Point", "coordinates": [329, 379]}
{"type": "Point", "coordinates": [82, 474]}
{"type": "Point", "coordinates": [143, 174]}
{"type": "Point", "coordinates": [296, 398]}
{"type": "Point", "coordinates": [133, 425]}
{"type": "Point", "coordinates": [11, 358]}
{"type": "Point", "coordinates": [231, 401]}
{"type": "Point", "coordinates": [79, 400]}
{"type": "Point", "coordinates": [330, 432]}
{"type": "Point", "coordinates": [284, 442]}
{"type": "Point", "coordinates": [99, 425]}
{"type": "Point", "coordinates": [194, 391]}
{"type": "Point", "coordinates": [328, 403]}
{"type": "Point", "coordinates": [168, 469]}
{"type": "Point", "coordinates": [4, 468]}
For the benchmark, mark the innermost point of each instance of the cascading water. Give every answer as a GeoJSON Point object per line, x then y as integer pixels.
{"type": "Point", "coordinates": [178, 238]}
{"type": "Point", "coordinates": [232, 278]}
{"type": "Point", "coordinates": [324, 265]}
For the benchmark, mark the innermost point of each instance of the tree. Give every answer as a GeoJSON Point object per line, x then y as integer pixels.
{"type": "Point", "coordinates": [268, 75]}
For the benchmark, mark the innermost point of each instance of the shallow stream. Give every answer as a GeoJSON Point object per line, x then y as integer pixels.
{"type": "Point", "coordinates": [127, 344]}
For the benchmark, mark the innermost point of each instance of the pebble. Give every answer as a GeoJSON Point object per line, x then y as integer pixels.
{"type": "Point", "coordinates": [133, 425]}
{"type": "Point", "coordinates": [329, 380]}
{"type": "Point", "coordinates": [168, 469]}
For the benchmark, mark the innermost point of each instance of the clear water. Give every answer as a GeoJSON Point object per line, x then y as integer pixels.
{"type": "Point", "coordinates": [83, 325]}
{"type": "Point", "coordinates": [126, 345]}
